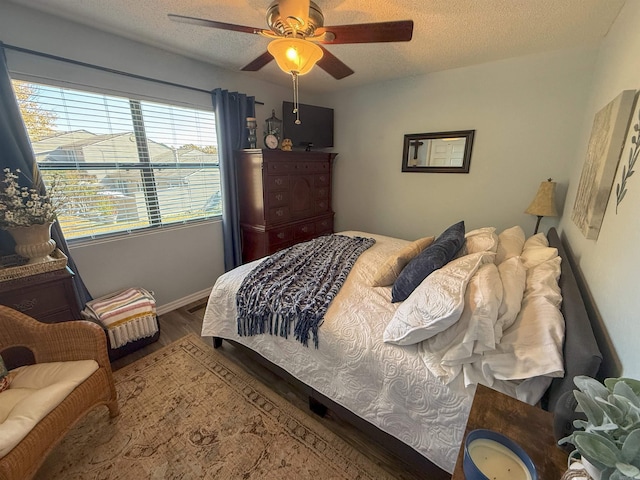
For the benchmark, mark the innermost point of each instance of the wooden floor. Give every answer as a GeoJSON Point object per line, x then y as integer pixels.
{"type": "Point", "coordinates": [178, 323]}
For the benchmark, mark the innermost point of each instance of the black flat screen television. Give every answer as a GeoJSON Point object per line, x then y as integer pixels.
{"type": "Point", "coordinates": [315, 129]}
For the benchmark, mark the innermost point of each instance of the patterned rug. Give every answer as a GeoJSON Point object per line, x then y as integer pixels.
{"type": "Point", "coordinates": [189, 413]}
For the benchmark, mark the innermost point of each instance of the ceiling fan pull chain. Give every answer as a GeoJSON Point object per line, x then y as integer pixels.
{"type": "Point", "coordinates": [296, 109]}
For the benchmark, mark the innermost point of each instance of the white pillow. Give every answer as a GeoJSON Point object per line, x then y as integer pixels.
{"type": "Point", "coordinates": [481, 240]}
{"type": "Point", "coordinates": [532, 346]}
{"type": "Point", "coordinates": [482, 301]}
{"type": "Point", "coordinates": [537, 250]}
{"type": "Point", "coordinates": [510, 244]}
{"type": "Point", "coordinates": [436, 303]}
{"type": "Point", "coordinates": [536, 241]}
{"type": "Point", "coordinates": [513, 276]}
{"type": "Point", "coordinates": [473, 333]}
{"type": "Point", "coordinates": [542, 280]}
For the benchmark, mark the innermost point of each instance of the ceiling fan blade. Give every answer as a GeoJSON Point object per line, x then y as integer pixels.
{"type": "Point", "coordinates": [213, 24]}
{"type": "Point", "coordinates": [334, 67]}
{"type": "Point", "coordinates": [258, 63]}
{"type": "Point", "coordinates": [398, 31]}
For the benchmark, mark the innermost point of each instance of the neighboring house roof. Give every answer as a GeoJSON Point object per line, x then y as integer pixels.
{"type": "Point", "coordinates": [192, 155]}
{"type": "Point", "coordinates": [61, 138]}
{"type": "Point", "coordinates": [93, 140]}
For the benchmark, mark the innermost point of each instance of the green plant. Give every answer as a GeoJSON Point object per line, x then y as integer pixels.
{"type": "Point", "coordinates": [23, 206]}
{"type": "Point", "coordinates": [610, 436]}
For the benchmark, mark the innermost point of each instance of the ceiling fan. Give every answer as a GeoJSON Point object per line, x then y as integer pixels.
{"type": "Point", "coordinates": [302, 22]}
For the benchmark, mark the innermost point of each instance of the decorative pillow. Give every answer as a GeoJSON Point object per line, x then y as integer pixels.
{"type": "Point", "coordinates": [513, 276]}
{"type": "Point", "coordinates": [510, 244]}
{"type": "Point", "coordinates": [481, 240]}
{"type": "Point", "coordinates": [436, 303]}
{"type": "Point", "coordinates": [435, 256]}
{"type": "Point", "coordinates": [537, 250]}
{"type": "Point", "coordinates": [4, 376]}
{"type": "Point", "coordinates": [388, 272]}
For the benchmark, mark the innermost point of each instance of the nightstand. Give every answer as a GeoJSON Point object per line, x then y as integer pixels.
{"type": "Point", "coordinates": [528, 426]}
{"type": "Point", "coordinates": [48, 297]}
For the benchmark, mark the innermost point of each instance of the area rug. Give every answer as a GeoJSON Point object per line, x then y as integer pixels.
{"type": "Point", "coordinates": [187, 413]}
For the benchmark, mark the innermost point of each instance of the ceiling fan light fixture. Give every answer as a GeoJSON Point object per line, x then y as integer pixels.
{"type": "Point", "coordinates": [295, 55]}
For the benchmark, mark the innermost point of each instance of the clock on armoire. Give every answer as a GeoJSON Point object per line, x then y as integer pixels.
{"type": "Point", "coordinates": [284, 197]}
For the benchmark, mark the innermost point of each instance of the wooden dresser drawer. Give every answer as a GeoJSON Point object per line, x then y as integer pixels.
{"type": "Point", "coordinates": [322, 193]}
{"type": "Point", "coordinates": [309, 167]}
{"type": "Point", "coordinates": [280, 167]}
{"type": "Point", "coordinates": [277, 183]}
{"type": "Point", "coordinates": [304, 231]}
{"type": "Point", "coordinates": [48, 297]}
{"type": "Point", "coordinates": [277, 199]}
{"type": "Point", "coordinates": [38, 302]}
{"type": "Point", "coordinates": [322, 180]}
{"type": "Point", "coordinates": [321, 206]}
{"type": "Point", "coordinates": [280, 235]}
{"type": "Point", "coordinates": [324, 226]}
{"type": "Point", "coordinates": [278, 215]}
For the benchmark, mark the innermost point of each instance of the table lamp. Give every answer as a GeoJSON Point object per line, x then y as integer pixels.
{"type": "Point", "coordinates": [544, 203]}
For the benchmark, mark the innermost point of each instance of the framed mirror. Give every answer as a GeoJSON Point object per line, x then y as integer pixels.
{"type": "Point", "coordinates": [441, 152]}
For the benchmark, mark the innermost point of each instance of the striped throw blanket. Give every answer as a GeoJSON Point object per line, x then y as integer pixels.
{"type": "Point", "coordinates": [296, 286]}
{"type": "Point", "coordinates": [127, 315]}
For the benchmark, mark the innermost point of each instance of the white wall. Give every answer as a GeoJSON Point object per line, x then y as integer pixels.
{"type": "Point", "coordinates": [175, 263]}
{"type": "Point", "coordinates": [610, 263]}
{"type": "Point", "coordinates": [527, 113]}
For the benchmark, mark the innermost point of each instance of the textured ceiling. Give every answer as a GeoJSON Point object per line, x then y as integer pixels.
{"type": "Point", "coordinates": [447, 33]}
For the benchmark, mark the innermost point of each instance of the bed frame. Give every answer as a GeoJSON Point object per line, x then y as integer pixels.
{"type": "Point", "coordinates": [581, 357]}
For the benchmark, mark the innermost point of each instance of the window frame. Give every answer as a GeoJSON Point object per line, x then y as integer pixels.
{"type": "Point", "coordinates": [144, 164]}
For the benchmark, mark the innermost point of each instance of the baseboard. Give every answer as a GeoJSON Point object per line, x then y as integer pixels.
{"type": "Point", "coordinates": [181, 302]}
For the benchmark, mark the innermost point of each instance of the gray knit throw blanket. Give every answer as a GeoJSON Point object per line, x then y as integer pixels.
{"type": "Point", "coordinates": [296, 286]}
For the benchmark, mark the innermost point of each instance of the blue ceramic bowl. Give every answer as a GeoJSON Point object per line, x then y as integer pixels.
{"type": "Point", "coordinates": [471, 470]}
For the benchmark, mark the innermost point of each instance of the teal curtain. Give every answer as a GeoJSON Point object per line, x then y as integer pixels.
{"type": "Point", "coordinates": [16, 153]}
{"type": "Point", "coordinates": [232, 110]}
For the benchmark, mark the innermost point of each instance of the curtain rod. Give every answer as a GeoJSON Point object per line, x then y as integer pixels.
{"type": "Point", "coordinates": [105, 69]}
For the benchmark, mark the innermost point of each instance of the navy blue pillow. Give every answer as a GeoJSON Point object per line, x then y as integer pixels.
{"type": "Point", "coordinates": [435, 256]}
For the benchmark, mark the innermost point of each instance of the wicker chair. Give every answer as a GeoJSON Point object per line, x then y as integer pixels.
{"type": "Point", "coordinates": [59, 342]}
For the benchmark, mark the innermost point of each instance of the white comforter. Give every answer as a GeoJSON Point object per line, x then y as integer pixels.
{"type": "Point", "coordinates": [387, 385]}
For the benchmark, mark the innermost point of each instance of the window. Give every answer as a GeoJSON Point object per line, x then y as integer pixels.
{"type": "Point", "coordinates": [121, 164]}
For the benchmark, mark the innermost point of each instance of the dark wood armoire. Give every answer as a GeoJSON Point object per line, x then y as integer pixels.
{"type": "Point", "coordinates": [285, 198]}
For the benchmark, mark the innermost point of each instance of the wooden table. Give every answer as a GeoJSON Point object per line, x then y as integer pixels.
{"type": "Point", "coordinates": [528, 426]}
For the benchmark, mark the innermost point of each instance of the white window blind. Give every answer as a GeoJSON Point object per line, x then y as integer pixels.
{"type": "Point", "coordinates": [119, 164]}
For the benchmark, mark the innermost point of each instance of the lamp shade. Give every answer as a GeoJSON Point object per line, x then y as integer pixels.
{"type": "Point", "coordinates": [544, 203]}
{"type": "Point", "coordinates": [295, 55]}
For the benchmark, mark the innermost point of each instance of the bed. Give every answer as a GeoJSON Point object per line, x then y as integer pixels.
{"type": "Point", "coordinates": [384, 389]}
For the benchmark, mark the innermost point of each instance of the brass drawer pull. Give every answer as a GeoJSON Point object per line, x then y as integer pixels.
{"type": "Point", "coordinates": [280, 235]}
{"type": "Point", "coordinates": [26, 305]}
{"type": "Point", "coordinates": [279, 212]}
{"type": "Point", "coordinates": [279, 197]}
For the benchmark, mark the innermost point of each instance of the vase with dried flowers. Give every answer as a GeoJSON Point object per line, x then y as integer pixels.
{"type": "Point", "coordinates": [27, 216]}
